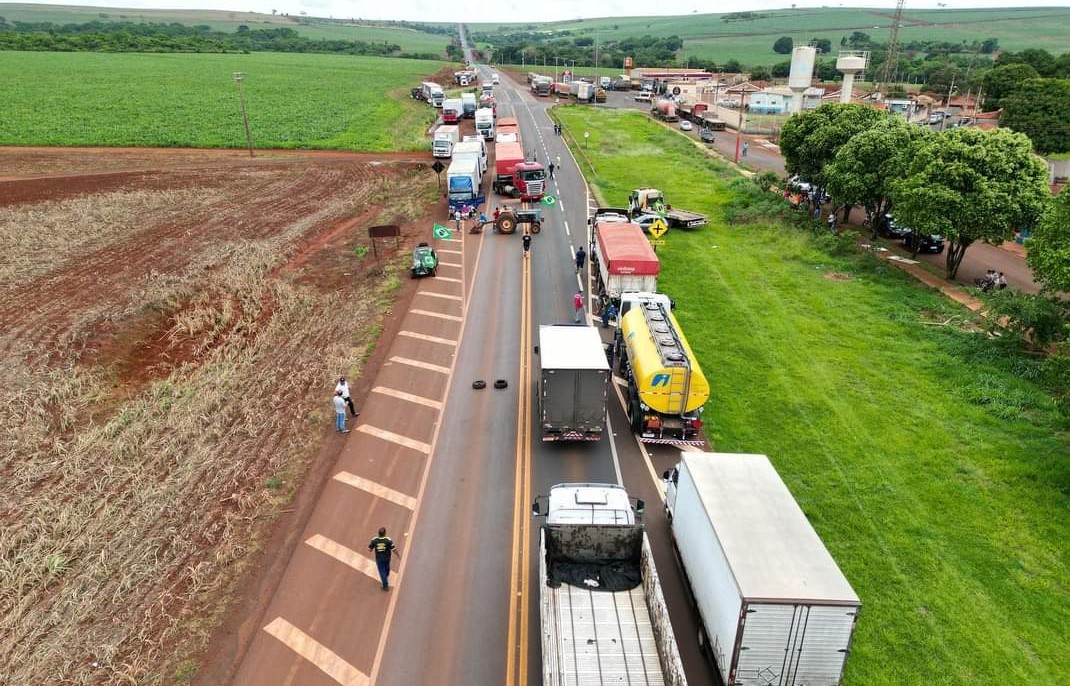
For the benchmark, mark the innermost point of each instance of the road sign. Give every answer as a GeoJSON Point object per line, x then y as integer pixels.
{"type": "Point", "coordinates": [548, 200]}
{"type": "Point", "coordinates": [658, 229]}
{"type": "Point", "coordinates": [438, 167]}
{"type": "Point", "coordinates": [657, 241]}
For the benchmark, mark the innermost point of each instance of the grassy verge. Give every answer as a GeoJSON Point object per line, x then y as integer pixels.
{"type": "Point", "coordinates": [934, 470]}
{"type": "Point", "coordinates": [186, 100]}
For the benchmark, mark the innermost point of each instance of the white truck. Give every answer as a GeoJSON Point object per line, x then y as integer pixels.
{"type": "Point", "coordinates": [776, 609]}
{"type": "Point", "coordinates": [603, 615]}
{"type": "Point", "coordinates": [474, 149]}
{"type": "Point", "coordinates": [446, 138]}
{"type": "Point", "coordinates": [573, 383]}
{"type": "Point", "coordinates": [464, 182]}
{"type": "Point", "coordinates": [485, 123]}
{"type": "Point", "coordinates": [438, 96]}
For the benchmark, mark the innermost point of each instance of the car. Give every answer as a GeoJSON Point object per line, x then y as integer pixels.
{"type": "Point", "coordinates": [937, 117]}
{"type": "Point", "coordinates": [494, 79]}
{"type": "Point", "coordinates": [889, 229]}
{"type": "Point", "coordinates": [645, 220]}
{"type": "Point", "coordinates": [424, 261]}
{"type": "Point", "coordinates": [706, 135]}
{"type": "Point", "coordinates": [797, 183]}
{"type": "Point", "coordinates": [967, 121]}
{"type": "Point", "coordinates": [921, 242]}
{"type": "Point", "coordinates": [685, 125]}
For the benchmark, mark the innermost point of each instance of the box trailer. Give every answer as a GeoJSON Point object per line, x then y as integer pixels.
{"type": "Point", "coordinates": [776, 609]}
{"type": "Point", "coordinates": [624, 258]}
{"type": "Point", "coordinates": [573, 383]}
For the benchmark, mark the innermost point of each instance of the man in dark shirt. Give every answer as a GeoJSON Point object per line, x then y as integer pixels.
{"type": "Point", "coordinates": [383, 547]}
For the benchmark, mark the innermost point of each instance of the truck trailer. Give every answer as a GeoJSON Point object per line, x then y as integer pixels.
{"type": "Point", "coordinates": [573, 383]}
{"type": "Point", "coordinates": [602, 613]}
{"type": "Point", "coordinates": [624, 258]}
{"type": "Point", "coordinates": [665, 110]}
{"type": "Point", "coordinates": [475, 150]}
{"type": "Point", "coordinates": [469, 105]}
{"type": "Point", "coordinates": [541, 85]}
{"type": "Point", "coordinates": [514, 176]}
{"type": "Point", "coordinates": [666, 387]}
{"type": "Point", "coordinates": [776, 610]}
{"type": "Point", "coordinates": [463, 183]}
{"type": "Point", "coordinates": [507, 130]}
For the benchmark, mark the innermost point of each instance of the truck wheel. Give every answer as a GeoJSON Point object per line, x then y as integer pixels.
{"type": "Point", "coordinates": [536, 227]}
{"type": "Point", "coordinates": [635, 416]}
{"type": "Point", "coordinates": [516, 193]}
{"type": "Point", "coordinates": [506, 223]}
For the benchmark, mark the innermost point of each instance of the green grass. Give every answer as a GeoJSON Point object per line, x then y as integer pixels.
{"type": "Point", "coordinates": [294, 101]}
{"type": "Point", "coordinates": [935, 474]}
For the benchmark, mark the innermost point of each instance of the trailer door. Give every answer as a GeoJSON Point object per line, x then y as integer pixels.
{"type": "Point", "coordinates": [794, 645]}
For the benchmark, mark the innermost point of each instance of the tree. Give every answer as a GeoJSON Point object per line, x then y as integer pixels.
{"type": "Point", "coordinates": [865, 167]}
{"type": "Point", "coordinates": [823, 45]}
{"type": "Point", "coordinates": [1041, 60]}
{"type": "Point", "coordinates": [989, 46]}
{"type": "Point", "coordinates": [1049, 246]}
{"type": "Point", "coordinates": [969, 185]}
{"type": "Point", "coordinates": [1039, 108]}
{"type": "Point", "coordinates": [1062, 66]}
{"type": "Point", "coordinates": [760, 73]}
{"type": "Point", "coordinates": [811, 140]}
{"type": "Point", "coordinates": [783, 45]}
{"type": "Point", "coordinates": [1000, 82]}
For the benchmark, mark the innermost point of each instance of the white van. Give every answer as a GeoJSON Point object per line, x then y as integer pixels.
{"type": "Point", "coordinates": [494, 79]}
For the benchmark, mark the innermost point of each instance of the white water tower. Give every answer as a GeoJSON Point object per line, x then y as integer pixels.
{"type": "Point", "coordinates": [850, 62]}
{"type": "Point", "coordinates": [802, 72]}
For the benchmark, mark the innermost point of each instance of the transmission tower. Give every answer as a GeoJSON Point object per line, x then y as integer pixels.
{"type": "Point", "coordinates": [888, 72]}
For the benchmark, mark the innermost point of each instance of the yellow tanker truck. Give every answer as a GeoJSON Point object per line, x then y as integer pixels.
{"type": "Point", "coordinates": [666, 387]}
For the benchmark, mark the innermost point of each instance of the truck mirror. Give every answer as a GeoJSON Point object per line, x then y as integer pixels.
{"type": "Point", "coordinates": [535, 509]}
{"type": "Point", "coordinates": [640, 507]}
{"type": "Point", "coordinates": [666, 474]}
{"type": "Point", "coordinates": [536, 350]}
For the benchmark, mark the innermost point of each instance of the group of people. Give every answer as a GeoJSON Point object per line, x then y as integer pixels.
{"type": "Point", "coordinates": [557, 129]}
{"type": "Point", "coordinates": [992, 280]}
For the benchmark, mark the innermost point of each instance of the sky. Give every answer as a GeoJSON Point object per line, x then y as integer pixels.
{"type": "Point", "coordinates": [524, 10]}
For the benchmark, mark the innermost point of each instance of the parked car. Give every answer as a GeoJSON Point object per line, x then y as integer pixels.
{"type": "Point", "coordinates": [889, 229]}
{"type": "Point", "coordinates": [644, 220]}
{"type": "Point", "coordinates": [920, 242]}
{"type": "Point", "coordinates": [424, 261]}
{"type": "Point", "coordinates": [937, 117]}
{"type": "Point", "coordinates": [967, 121]}
{"type": "Point", "coordinates": [685, 125]}
{"type": "Point", "coordinates": [706, 135]}
{"type": "Point", "coordinates": [798, 184]}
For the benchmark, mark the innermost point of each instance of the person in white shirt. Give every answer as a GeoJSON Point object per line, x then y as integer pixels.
{"type": "Point", "coordinates": [343, 388]}
{"type": "Point", "coordinates": [340, 412]}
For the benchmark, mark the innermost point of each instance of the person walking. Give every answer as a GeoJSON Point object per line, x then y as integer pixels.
{"type": "Point", "coordinates": [527, 244]}
{"type": "Point", "coordinates": [340, 412]}
{"type": "Point", "coordinates": [343, 388]}
{"type": "Point", "coordinates": [551, 170]}
{"type": "Point", "coordinates": [457, 218]}
{"type": "Point", "coordinates": [581, 257]}
{"type": "Point", "coordinates": [832, 222]}
{"type": "Point", "coordinates": [383, 547]}
{"type": "Point", "coordinates": [577, 304]}
{"type": "Point", "coordinates": [746, 147]}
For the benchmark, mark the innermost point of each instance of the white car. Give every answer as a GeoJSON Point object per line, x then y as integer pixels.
{"type": "Point", "coordinates": [685, 125]}
{"type": "Point", "coordinates": [494, 79]}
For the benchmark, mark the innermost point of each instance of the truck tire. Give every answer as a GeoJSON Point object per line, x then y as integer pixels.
{"type": "Point", "coordinates": [635, 416]}
{"type": "Point", "coordinates": [506, 223]}
{"type": "Point", "coordinates": [536, 227]}
{"type": "Point", "coordinates": [516, 193]}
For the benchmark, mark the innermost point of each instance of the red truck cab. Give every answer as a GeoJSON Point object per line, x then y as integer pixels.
{"type": "Point", "coordinates": [516, 177]}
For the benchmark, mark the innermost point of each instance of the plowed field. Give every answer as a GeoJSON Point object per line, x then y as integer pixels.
{"type": "Point", "coordinates": [171, 324]}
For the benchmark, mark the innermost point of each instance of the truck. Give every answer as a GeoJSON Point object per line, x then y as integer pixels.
{"type": "Point", "coordinates": [510, 127]}
{"type": "Point", "coordinates": [775, 608]}
{"type": "Point", "coordinates": [665, 110]}
{"type": "Point", "coordinates": [426, 88]}
{"type": "Point", "coordinates": [604, 81]}
{"type": "Point", "coordinates": [600, 95]}
{"type": "Point", "coordinates": [583, 91]}
{"type": "Point", "coordinates": [446, 137]}
{"type": "Point", "coordinates": [464, 183]}
{"type": "Point", "coordinates": [652, 200]}
{"type": "Point", "coordinates": [644, 96]}
{"type": "Point", "coordinates": [474, 149]}
{"type": "Point", "coordinates": [438, 96]}
{"type": "Point", "coordinates": [514, 175]}
{"type": "Point", "coordinates": [602, 613]}
{"type": "Point", "coordinates": [625, 261]}
{"type": "Point", "coordinates": [666, 387]}
{"type": "Point", "coordinates": [691, 111]}
{"type": "Point", "coordinates": [469, 105]}
{"type": "Point", "coordinates": [451, 111]}
{"type": "Point", "coordinates": [485, 122]}
{"type": "Point", "coordinates": [573, 383]}
{"type": "Point", "coordinates": [540, 85]}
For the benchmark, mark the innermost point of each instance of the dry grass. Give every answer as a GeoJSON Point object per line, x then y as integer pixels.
{"type": "Point", "coordinates": [122, 536]}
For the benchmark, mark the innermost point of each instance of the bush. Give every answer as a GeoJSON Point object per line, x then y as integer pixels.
{"type": "Point", "coordinates": [1037, 320]}
{"type": "Point", "coordinates": [765, 180]}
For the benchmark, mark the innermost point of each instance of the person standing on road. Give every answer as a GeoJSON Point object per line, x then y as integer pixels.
{"type": "Point", "coordinates": [608, 312]}
{"type": "Point", "coordinates": [340, 412]}
{"type": "Point", "coordinates": [581, 257]}
{"type": "Point", "coordinates": [383, 547]}
{"type": "Point", "coordinates": [527, 244]}
{"type": "Point", "coordinates": [577, 304]}
{"type": "Point", "coordinates": [551, 170]}
{"type": "Point", "coordinates": [343, 388]}
{"type": "Point", "coordinates": [458, 220]}
{"type": "Point", "coordinates": [746, 147]}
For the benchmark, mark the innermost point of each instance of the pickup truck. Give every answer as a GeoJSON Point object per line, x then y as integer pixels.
{"type": "Point", "coordinates": [644, 96]}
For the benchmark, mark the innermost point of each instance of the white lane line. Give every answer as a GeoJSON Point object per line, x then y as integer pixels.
{"type": "Point", "coordinates": [613, 450]}
{"type": "Point", "coordinates": [377, 489]}
{"type": "Point", "coordinates": [448, 279]}
{"type": "Point", "coordinates": [319, 655]}
{"type": "Point", "coordinates": [642, 448]}
{"type": "Point", "coordinates": [347, 556]}
{"type": "Point", "coordinates": [425, 337]}
{"type": "Point", "coordinates": [451, 252]}
{"type": "Point", "coordinates": [449, 264]}
{"type": "Point", "coordinates": [450, 240]}
{"type": "Point", "coordinates": [444, 296]}
{"type": "Point", "coordinates": [567, 232]}
{"type": "Point", "coordinates": [438, 315]}
{"type": "Point", "coordinates": [421, 365]}
{"type": "Point", "coordinates": [402, 395]}
{"type": "Point", "coordinates": [398, 439]}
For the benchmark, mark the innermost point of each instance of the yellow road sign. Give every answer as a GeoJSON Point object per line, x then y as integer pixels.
{"type": "Point", "coordinates": [656, 242]}
{"type": "Point", "coordinates": [658, 228]}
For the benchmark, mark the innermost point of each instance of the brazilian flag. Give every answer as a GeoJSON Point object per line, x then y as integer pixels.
{"type": "Point", "coordinates": [440, 231]}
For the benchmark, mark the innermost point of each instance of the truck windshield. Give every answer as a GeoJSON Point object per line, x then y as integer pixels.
{"type": "Point", "coordinates": [533, 175]}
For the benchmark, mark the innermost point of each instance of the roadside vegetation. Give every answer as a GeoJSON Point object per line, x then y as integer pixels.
{"type": "Point", "coordinates": [186, 100]}
{"type": "Point", "coordinates": [929, 455]}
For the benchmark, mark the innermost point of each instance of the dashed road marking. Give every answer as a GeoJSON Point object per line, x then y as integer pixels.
{"type": "Point", "coordinates": [319, 655]}
{"type": "Point", "coordinates": [421, 365]}
{"type": "Point", "coordinates": [451, 252]}
{"type": "Point", "coordinates": [345, 555]}
{"type": "Point", "coordinates": [448, 279]}
{"type": "Point", "coordinates": [402, 395]}
{"type": "Point", "coordinates": [425, 337]}
{"type": "Point", "coordinates": [377, 489]}
{"type": "Point", "coordinates": [449, 264]}
{"type": "Point", "coordinates": [438, 315]}
{"type": "Point", "coordinates": [398, 439]}
{"type": "Point", "coordinates": [444, 296]}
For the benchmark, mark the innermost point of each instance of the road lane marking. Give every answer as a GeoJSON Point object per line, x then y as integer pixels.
{"type": "Point", "coordinates": [421, 365]}
{"type": "Point", "coordinates": [425, 337]}
{"type": "Point", "coordinates": [451, 252]}
{"type": "Point", "coordinates": [613, 451]}
{"type": "Point", "coordinates": [325, 659]}
{"type": "Point", "coordinates": [377, 489]}
{"type": "Point", "coordinates": [567, 232]}
{"type": "Point", "coordinates": [447, 279]}
{"type": "Point", "coordinates": [402, 395]}
{"type": "Point", "coordinates": [658, 483]}
{"type": "Point", "coordinates": [450, 240]}
{"type": "Point", "coordinates": [438, 315]}
{"type": "Point", "coordinates": [449, 264]}
{"type": "Point", "coordinates": [398, 439]}
{"type": "Point", "coordinates": [347, 556]}
{"type": "Point", "coordinates": [444, 296]}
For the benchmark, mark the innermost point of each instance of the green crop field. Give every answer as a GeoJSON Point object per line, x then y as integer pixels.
{"type": "Point", "coordinates": [934, 470]}
{"type": "Point", "coordinates": [708, 36]}
{"type": "Point", "coordinates": [410, 40]}
{"type": "Point", "coordinates": [294, 101]}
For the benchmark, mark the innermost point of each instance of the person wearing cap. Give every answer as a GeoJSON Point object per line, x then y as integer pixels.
{"type": "Point", "coordinates": [343, 389]}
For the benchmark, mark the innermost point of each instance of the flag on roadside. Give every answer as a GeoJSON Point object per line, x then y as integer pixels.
{"type": "Point", "coordinates": [440, 231]}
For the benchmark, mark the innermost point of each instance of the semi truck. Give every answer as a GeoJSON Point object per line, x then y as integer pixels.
{"type": "Point", "coordinates": [427, 88]}
{"type": "Point", "coordinates": [691, 110]}
{"type": "Point", "coordinates": [451, 111]}
{"type": "Point", "coordinates": [653, 200]}
{"type": "Point", "coordinates": [624, 258]}
{"type": "Point", "coordinates": [666, 387]}
{"type": "Point", "coordinates": [603, 617]}
{"type": "Point", "coordinates": [438, 96]}
{"type": "Point", "coordinates": [573, 383]}
{"type": "Point", "coordinates": [463, 183]}
{"type": "Point", "coordinates": [485, 122]}
{"type": "Point", "coordinates": [516, 177]}
{"type": "Point", "coordinates": [540, 85]}
{"type": "Point", "coordinates": [776, 610]}
{"type": "Point", "coordinates": [665, 110]}
{"type": "Point", "coordinates": [469, 105]}
{"type": "Point", "coordinates": [446, 137]}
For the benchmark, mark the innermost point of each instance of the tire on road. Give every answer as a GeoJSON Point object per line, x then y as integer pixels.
{"type": "Point", "coordinates": [536, 227]}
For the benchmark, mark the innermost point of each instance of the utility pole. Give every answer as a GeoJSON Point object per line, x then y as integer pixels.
{"type": "Point", "coordinates": [239, 76]}
{"type": "Point", "coordinates": [889, 69]}
{"type": "Point", "coordinates": [739, 128]}
{"type": "Point", "coordinates": [947, 105]}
